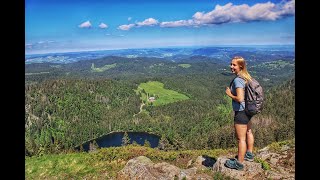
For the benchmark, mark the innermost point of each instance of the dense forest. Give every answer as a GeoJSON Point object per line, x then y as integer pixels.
{"type": "Point", "coordinates": [68, 104]}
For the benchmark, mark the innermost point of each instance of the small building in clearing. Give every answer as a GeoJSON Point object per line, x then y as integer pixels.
{"type": "Point", "coordinates": [152, 99]}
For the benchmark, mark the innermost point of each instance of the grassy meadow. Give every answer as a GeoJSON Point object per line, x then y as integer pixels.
{"type": "Point", "coordinates": [185, 65]}
{"type": "Point", "coordinates": [162, 96]}
{"type": "Point", "coordinates": [103, 68]}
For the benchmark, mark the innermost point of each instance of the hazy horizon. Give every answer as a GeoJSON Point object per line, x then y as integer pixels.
{"type": "Point", "coordinates": [173, 47]}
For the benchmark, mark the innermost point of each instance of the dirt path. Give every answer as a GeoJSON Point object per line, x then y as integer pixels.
{"type": "Point", "coordinates": [141, 106]}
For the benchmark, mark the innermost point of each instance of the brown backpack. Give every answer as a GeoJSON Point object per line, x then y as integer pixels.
{"type": "Point", "coordinates": [254, 97]}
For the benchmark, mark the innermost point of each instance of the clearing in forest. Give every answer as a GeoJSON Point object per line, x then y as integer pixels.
{"type": "Point", "coordinates": [101, 69]}
{"type": "Point", "coordinates": [153, 92]}
{"type": "Point", "coordinates": [184, 65]}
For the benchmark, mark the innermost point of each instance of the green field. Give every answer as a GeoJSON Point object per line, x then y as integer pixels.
{"type": "Point", "coordinates": [162, 95]}
{"type": "Point", "coordinates": [103, 68]}
{"type": "Point", "coordinates": [184, 65]}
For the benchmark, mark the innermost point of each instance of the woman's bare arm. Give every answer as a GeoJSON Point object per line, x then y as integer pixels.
{"type": "Point", "coordinates": [239, 97]}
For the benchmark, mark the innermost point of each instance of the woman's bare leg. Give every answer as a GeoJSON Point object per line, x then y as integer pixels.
{"type": "Point", "coordinates": [241, 130]}
{"type": "Point", "coordinates": [250, 138]}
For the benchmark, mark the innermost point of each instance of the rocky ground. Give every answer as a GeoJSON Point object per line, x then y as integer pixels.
{"type": "Point", "coordinates": [269, 164]}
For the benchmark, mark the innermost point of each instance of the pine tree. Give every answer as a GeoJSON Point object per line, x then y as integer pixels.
{"type": "Point", "coordinates": [93, 146]}
{"type": "Point", "coordinates": [81, 149]}
{"type": "Point", "coordinates": [125, 139]}
{"type": "Point", "coordinates": [164, 143]}
{"type": "Point", "coordinates": [178, 142]}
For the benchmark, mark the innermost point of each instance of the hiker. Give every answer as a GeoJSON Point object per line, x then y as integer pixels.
{"type": "Point", "coordinates": [242, 123]}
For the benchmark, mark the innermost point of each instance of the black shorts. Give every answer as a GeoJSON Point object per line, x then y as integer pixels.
{"type": "Point", "coordinates": [240, 117]}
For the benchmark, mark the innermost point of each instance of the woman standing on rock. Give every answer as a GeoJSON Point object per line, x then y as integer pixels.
{"type": "Point", "coordinates": [242, 122]}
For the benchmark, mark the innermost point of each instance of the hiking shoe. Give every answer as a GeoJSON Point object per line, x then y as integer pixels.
{"type": "Point", "coordinates": [234, 164]}
{"type": "Point", "coordinates": [249, 156]}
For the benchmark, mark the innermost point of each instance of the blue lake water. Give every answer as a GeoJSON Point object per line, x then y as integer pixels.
{"type": "Point", "coordinates": [115, 139]}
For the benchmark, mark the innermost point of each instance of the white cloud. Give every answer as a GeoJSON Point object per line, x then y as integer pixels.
{"type": "Point", "coordinates": [86, 24]}
{"type": "Point", "coordinates": [245, 13]}
{"type": "Point", "coordinates": [148, 22]}
{"type": "Point", "coordinates": [126, 27]}
{"type": "Point", "coordinates": [177, 23]}
{"type": "Point", "coordinates": [129, 18]}
{"type": "Point", "coordinates": [227, 13]}
{"type": "Point", "coordinates": [103, 26]}
{"type": "Point", "coordinates": [230, 13]}
{"type": "Point", "coordinates": [288, 7]}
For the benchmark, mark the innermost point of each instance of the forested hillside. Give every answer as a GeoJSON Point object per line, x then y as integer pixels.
{"type": "Point", "coordinates": [72, 103]}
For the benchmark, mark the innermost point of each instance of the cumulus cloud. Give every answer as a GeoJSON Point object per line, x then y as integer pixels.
{"type": "Point", "coordinates": [288, 8]}
{"type": "Point", "coordinates": [237, 13]}
{"type": "Point", "coordinates": [177, 23]}
{"type": "Point", "coordinates": [245, 13]}
{"type": "Point", "coordinates": [86, 24]}
{"type": "Point", "coordinates": [228, 13]}
{"type": "Point", "coordinates": [146, 22]}
{"type": "Point", "coordinates": [126, 27]}
{"type": "Point", "coordinates": [103, 26]}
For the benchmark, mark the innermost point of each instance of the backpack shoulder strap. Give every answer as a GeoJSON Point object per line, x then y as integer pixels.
{"type": "Point", "coordinates": [232, 81]}
{"type": "Point", "coordinates": [235, 78]}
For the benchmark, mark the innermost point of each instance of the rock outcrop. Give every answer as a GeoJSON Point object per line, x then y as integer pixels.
{"type": "Point", "coordinates": [143, 168]}
{"type": "Point", "coordinates": [281, 165]}
{"type": "Point", "coordinates": [252, 170]}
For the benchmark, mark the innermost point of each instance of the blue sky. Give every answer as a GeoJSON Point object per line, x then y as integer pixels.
{"type": "Point", "coordinates": [84, 25]}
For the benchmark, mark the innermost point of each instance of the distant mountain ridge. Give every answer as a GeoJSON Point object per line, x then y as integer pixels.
{"type": "Point", "coordinates": [251, 53]}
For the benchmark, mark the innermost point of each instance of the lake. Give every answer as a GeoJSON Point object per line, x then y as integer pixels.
{"type": "Point", "coordinates": [115, 140]}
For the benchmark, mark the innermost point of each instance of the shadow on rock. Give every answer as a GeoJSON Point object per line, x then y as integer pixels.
{"type": "Point", "coordinates": [208, 161]}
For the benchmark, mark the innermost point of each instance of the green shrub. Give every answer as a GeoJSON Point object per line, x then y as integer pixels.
{"type": "Point", "coordinates": [263, 163]}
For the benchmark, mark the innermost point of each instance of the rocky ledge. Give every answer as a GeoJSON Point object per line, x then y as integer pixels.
{"type": "Point", "coordinates": [267, 165]}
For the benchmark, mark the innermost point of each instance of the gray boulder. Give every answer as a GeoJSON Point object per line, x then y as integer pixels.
{"type": "Point", "coordinates": [252, 170]}
{"type": "Point", "coordinates": [143, 168]}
